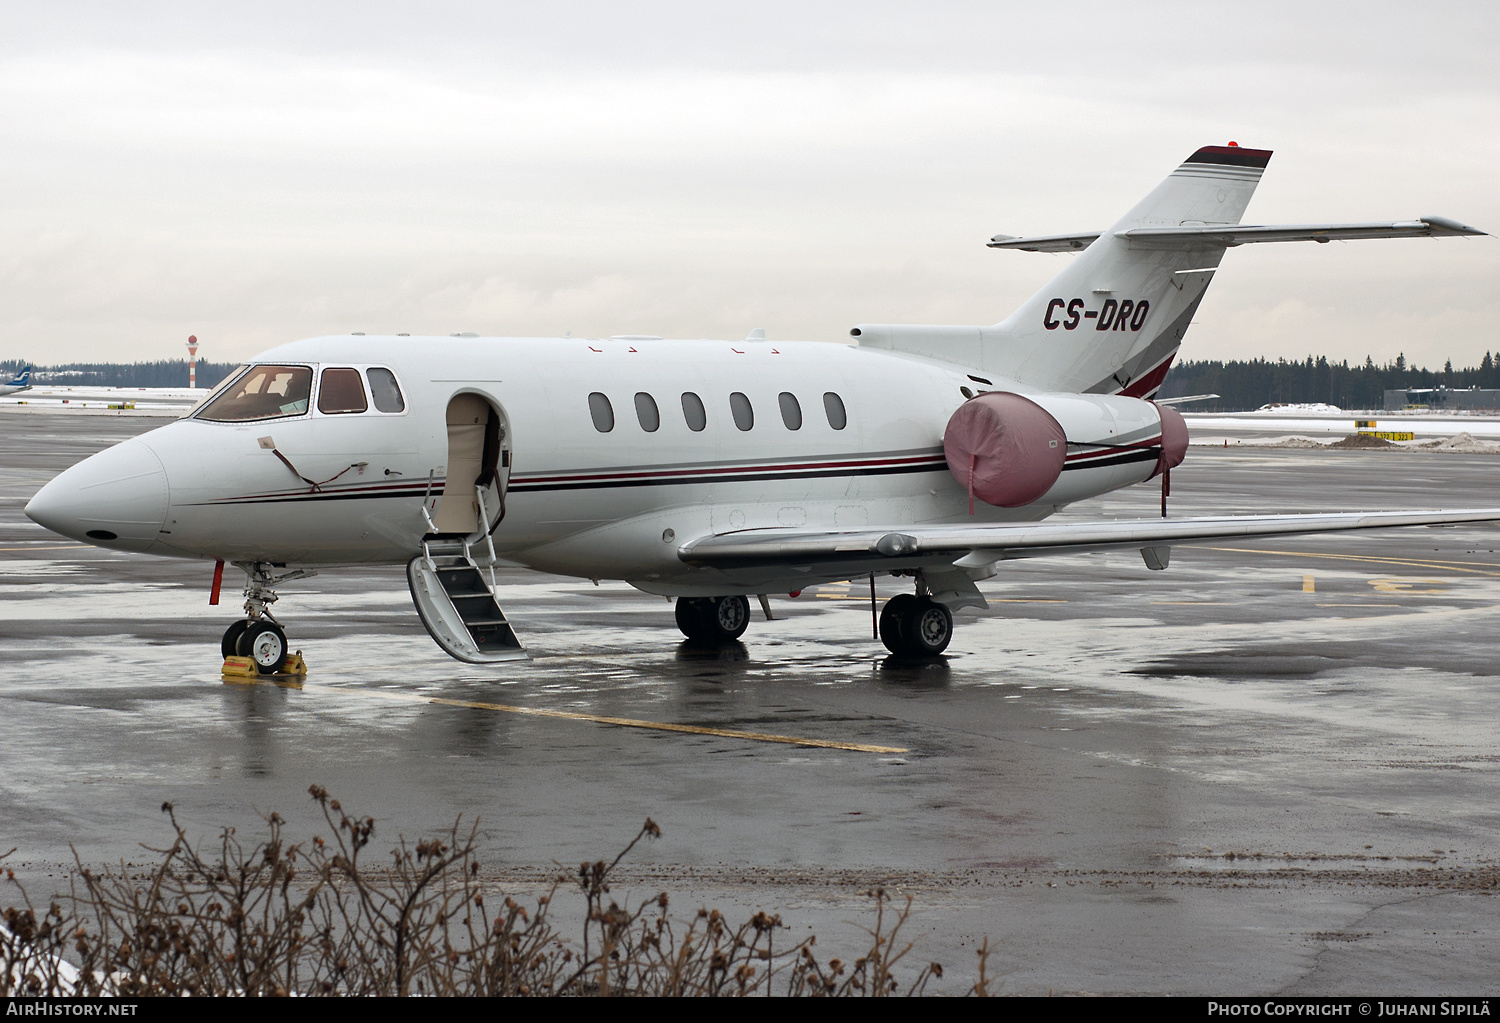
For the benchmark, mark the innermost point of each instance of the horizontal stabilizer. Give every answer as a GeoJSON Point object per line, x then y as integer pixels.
{"type": "Point", "coordinates": [1045, 242]}
{"type": "Point", "coordinates": [1186, 399]}
{"type": "Point", "coordinates": [907, 546]}
{"type": "Point", "coordinates": [1230, 235]}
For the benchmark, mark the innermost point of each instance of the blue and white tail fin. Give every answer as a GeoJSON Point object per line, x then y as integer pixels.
{"type": "Point", "coordinates": [21, 382]}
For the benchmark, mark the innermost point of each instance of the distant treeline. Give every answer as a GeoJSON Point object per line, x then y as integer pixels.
{"type": "Point", "coordinates": [1249, 385]}
{"type": "Point", "coordinates": [165, 373]}
{"type": "Point", "coordinates": [1240, 385]}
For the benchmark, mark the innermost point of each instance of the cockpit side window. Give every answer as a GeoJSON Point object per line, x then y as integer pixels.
{"type": "Point", "coordinates": [265, 392]}
{"type": "Point", "coordinates": [385, 390]}
{"type": "Point", "coordinates": [341, 392]}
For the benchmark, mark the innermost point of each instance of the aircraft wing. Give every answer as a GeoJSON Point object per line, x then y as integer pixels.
{"type": "Point", "coordinates": [1229, 235]}
{"type": "Point", "coordinates": [868, 550]}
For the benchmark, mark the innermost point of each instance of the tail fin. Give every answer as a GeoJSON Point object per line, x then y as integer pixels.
{"type": "Point", "coordinates": [1112, 321]}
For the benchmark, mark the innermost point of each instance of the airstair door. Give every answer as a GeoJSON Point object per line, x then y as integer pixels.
{"type": "Point", "coordinates": [453, 580]}
{"type": "Point", "coordinates": [456, 602]}
{"type": "Point", "coordinates": [478, 468]}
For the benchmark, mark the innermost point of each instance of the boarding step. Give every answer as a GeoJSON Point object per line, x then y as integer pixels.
{"type": "Point", "coordinates": [457, 605]}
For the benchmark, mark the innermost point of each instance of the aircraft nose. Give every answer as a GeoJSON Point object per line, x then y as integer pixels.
{"type": "Point", "coordinates": [117, 498]}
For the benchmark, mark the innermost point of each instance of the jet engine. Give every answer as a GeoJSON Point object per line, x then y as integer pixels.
{"type": "Point", "coordinates": [1009, 450]}
{"type": "Point", "coordinates": [1004, 448]}
{"type": "Point", "coordinates": [1174, 439]}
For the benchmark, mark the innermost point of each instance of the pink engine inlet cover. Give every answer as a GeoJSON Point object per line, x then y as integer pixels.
{"type": "Point", "coordinates": [1004, 449]}
{"type": "Point", "coordinates": [1174, 439]}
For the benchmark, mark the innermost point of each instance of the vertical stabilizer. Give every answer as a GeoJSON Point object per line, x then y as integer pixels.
{"type": "Point", "coordinates": [1113, 320]}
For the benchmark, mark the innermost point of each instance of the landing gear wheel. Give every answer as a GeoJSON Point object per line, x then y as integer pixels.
{"type": "Point", "coordinates": [729, 619]}
{"type": "Point", "coordinates": [713, 619]}
{"type": "Point", "coordinates": [689, 613]}
{"type": "Point", "coordinates": [926, 628]}
{"type": "Point", "coordinates": [890, 621]}
{"type": "Point", "coordinates": [229, 645]}
{"type": "Point", "coordinates": [265, 644]}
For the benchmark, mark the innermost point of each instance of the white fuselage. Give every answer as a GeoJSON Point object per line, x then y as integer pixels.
{"type": "Point", "coordinates": [579, 501]}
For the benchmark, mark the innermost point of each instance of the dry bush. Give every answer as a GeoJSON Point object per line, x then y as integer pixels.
{"type": "Point", "coordinates": [317, 918]}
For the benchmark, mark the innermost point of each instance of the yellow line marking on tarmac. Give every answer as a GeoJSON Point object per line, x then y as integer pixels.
{"type": "Point", "coordinates": [1361, 605]}
{"type": "Point", "coordinates": [1198, 603]}
{"type": "Point", "coordinates": [1308, 586]}
{"type": "Point", "coordinates": [600, 719]}
{"type": "Point", "coordinates": [1023, 600]}
{"type": "Point", "coordinates": [1454, 566]}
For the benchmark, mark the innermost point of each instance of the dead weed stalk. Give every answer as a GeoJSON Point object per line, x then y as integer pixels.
{"type": "Point", "coordinates": [318, 918]}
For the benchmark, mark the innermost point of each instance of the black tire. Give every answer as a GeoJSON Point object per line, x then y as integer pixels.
{"type": "Point", "coordinates": [713, 620]}
{"type": "Point", "coordinates": [890, 621]}
{"type": "Point", "coordinates": [265, 644]}
{"type": "Point", "coordinates": [229, 645]}
{"type": "Point", "coordinates": [690, 617]}
{"type": "Point", "coordinates": [728, 618]}
{"type": "Point", "coordinates": [926, 628]}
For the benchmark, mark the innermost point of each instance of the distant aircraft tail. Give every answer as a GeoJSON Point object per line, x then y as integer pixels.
{"type": "Point", "coordinates": [22, 379]}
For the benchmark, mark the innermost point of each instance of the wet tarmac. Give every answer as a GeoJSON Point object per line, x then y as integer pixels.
{"type": "Point", "coordinates": [1271, 768]}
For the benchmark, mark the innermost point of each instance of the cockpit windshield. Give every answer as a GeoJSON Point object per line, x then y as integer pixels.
{"type": "Point", "coordinates": [266, 392]}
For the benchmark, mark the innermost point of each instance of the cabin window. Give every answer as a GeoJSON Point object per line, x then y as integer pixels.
{"type": "Point", "coordinates": [385, 390]}
{"type": "Point", "coordinates": [341, 392]}
{"type": "Point", "coordinates": [791, 411]}
{"type": "Point", "coordinates": [602, 411]}
{"type": "Point", "coordinates": [739, 407]}
{"type": "Point", "coordinates": [693, 412]}
{"type": "Point", "coordinates": [966, 392]}
{"type": "Point", "coordinates": [647, 412]}
{"type": "Point", "coordinates": [833, 405]}
{"type": "Point", "coordinates": [266, 392]}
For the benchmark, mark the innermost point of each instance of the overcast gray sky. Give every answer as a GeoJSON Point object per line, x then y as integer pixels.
{"type": "Point", "coordinates": [259, 173]}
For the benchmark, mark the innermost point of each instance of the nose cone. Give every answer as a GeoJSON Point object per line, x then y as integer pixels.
{"type": "Point", "coordinates": [117, 498]}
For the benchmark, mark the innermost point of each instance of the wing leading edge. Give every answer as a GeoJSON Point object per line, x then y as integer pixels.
{"type": "Point", "coordinates": [914, 546]}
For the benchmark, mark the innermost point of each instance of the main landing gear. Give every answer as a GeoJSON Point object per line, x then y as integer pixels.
{"type": "Point", "coordinates": [713, 619]}
{"type": "Point", "coordinates": [913, 626]}
{"type": "Point", "coordinates": [259, 636]}
{"type": "Point", "coordinates": [910, 625]}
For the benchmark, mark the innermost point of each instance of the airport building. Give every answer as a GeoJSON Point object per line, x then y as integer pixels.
{"type": "Point", "coordinates": [1441, 398]}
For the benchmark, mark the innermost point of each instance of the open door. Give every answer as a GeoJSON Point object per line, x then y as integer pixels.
{"type": "Point", "coordinates": [478, 467]}
{"type": "Point", "coordinates": [453, 580]}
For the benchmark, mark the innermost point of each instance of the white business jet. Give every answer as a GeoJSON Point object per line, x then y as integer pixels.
{"type": "Point", "coordinates": [709, 471]}
{"type": "Point", "coordinates": [20, 382]}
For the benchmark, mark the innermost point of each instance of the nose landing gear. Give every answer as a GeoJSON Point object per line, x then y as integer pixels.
{"type": "Point", "coordinates": [259, 637]}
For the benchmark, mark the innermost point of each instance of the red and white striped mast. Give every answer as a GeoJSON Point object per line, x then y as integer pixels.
{"type": "Point", "coordinates": [192, 343]}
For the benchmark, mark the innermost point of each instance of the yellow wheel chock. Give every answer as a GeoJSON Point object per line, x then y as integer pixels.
{"type": "Point", "coordinates": [244, 667]}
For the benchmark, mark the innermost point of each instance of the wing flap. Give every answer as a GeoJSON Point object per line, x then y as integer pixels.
{"type": "Point", "coordinates": [913, 546]}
